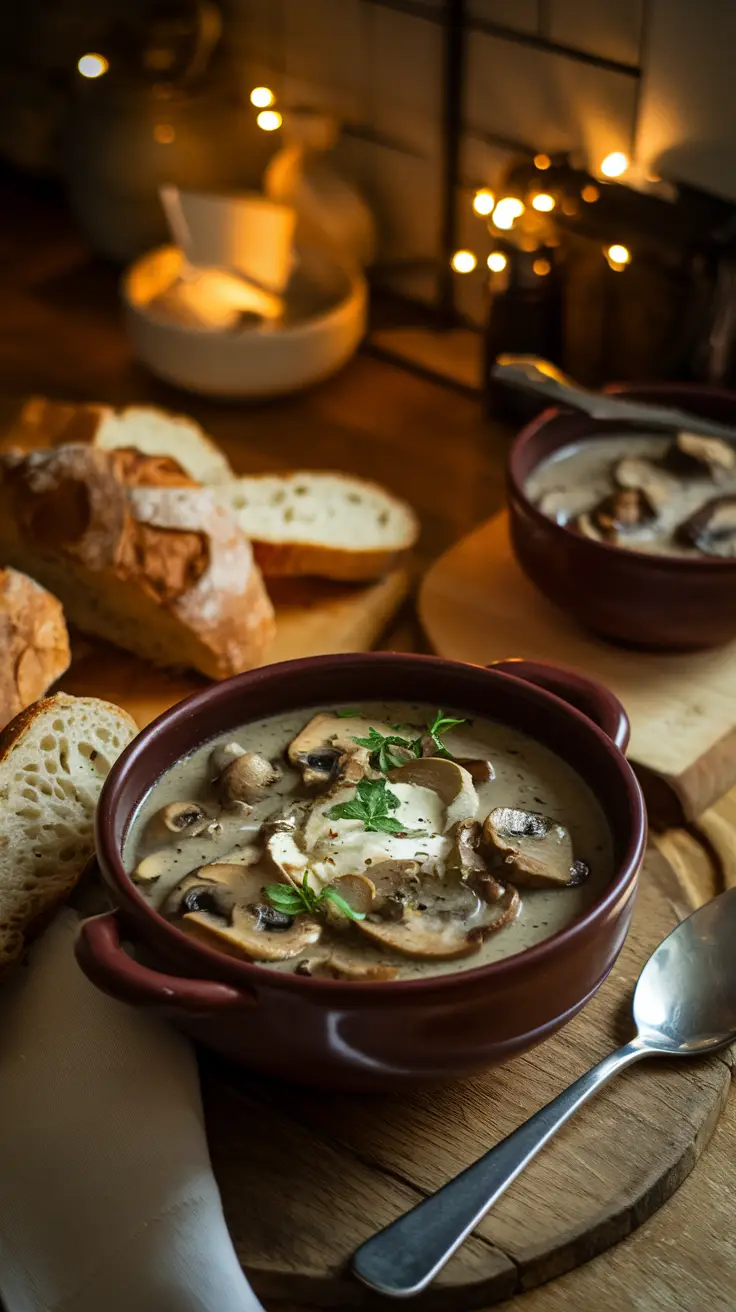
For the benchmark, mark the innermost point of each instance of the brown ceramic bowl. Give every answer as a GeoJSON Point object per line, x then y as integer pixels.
{"type": "Point", "coordinates": [660, 602]}
{"type": "Point", "coordinates": [371, 1035]}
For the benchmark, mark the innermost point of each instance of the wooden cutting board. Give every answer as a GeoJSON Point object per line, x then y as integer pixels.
{"type": "Point", "coordinates": [307, 1176]}
{"type": "Point", "coordinates": [313, 618]}
{"type": "Point", "coordinates": [476, 605]}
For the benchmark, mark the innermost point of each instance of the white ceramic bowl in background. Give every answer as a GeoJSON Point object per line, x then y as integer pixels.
{"type": "Point", "coordinates": [324, 324]}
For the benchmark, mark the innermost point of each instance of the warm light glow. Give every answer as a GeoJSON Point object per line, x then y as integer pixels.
{"type": "Point", "coordinates": [542, 268]}
{"type": "Point", "coordinates": [615, 164]}
{"type": "Point", "coordinates": [542, 161]}
{"type": "Point", "coordinates": [590, 194]}
{"type": "Point", "coordinates": [164, 134]}
{"type": "Point", "coordinates": [496, 261]}
{"type": "Point", "coordinates": [463, 261]}
{"type": "Point", "coordinates": [484, 201]}
{"type": "Point", "coordinates": [507, 212]}
{"type": "Point", "coordinates": [528, 242]}
{"type": "Point", "coordinates": [269, 120]}
{"type": "Point", "coordinates": [569, 207]}
{"type": "Point", "coordinates": [93, 65]}
{"type": "Point", "coordinates": [619, 254]}
{"type": "Point", "coordinates": [543, 203]}
{"type": "Point", "coordinates": [262, 97]}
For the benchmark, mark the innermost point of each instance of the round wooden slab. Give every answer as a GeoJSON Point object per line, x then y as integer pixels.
{"type": "Point", "coordinates": [306, 1176]}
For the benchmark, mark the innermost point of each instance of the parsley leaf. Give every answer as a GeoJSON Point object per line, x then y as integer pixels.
{"type": "Point", "coordinates": [348, 715]}
{"type": "Point", "coordinates": [372, 803]}
{"type": "Point", "coordinates": [379, 745]}
{"type": "Point", "coordinates": [440, 725]}
{"type": "Point", "coordinates": [294, 900]}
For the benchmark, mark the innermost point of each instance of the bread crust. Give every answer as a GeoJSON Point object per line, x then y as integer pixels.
{"type": "Point", "coordinates": [33, 641]}
{"type": "Point", "coordinates": [43, 423]}
{"type": "Point", "coordinates": [118, 521]}
{"type": "Point", "coordinates": [354, 565]}
{"type": "Point", "coordinates": [41, 903]}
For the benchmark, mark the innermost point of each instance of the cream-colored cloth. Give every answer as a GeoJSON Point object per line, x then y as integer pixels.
{"type": "Point", "coordinates": [107, 1198]}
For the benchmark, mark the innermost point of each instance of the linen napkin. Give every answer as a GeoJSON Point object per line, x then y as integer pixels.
{"type": "Point", "coordinates": [107, 1198]}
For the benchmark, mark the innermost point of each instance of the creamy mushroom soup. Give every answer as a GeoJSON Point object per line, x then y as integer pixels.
{"type": "Point", "coordinates": [655, 494]}
{"type": "Point", "coordinates": [372, 842]}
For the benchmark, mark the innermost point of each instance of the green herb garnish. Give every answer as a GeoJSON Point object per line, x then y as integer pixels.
{"type": "Point", "coordinates": [373, 803]}
{"type": "Point", "coordinates": [347, 715]}
{"type": "Point", "coordinates": [440, 725]}
{"type": "Point", "coordinates": [293, 899]}
{"type": "Point", "coordinates": [379, 745]}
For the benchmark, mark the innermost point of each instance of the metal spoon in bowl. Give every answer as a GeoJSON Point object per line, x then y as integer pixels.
{"type": "Point", "coordinates": [530, 373]}
{"type": "Point", "coordinates": [684, 1006]}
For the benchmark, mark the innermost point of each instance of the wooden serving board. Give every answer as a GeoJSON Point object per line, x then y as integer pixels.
{"type": "Point", "coordinates": [307, 1176]}
{"type": "Point", "coordinates": [476, 605]}
{"type": "Point", "coordinates": [313, 618]}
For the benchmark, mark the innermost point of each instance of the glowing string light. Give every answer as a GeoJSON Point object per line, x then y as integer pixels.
{"type": "Point", "coordinates": [463, 261]}
{"type": "Point", "coordinates": [92, 65]}
{"type": "Point", "coordinates": [269, 120]}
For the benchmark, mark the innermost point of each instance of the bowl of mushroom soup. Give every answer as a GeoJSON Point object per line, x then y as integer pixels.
{"type": "Point", "coordinates": [370, 870]}
{"type": "Point", "coordinates": [631, 533]}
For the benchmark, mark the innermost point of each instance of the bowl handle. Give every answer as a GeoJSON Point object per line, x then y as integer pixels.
{"type": "Point", "coordinates": [586, 695]}
{"type": "Point", "coordinates": [105, 962]}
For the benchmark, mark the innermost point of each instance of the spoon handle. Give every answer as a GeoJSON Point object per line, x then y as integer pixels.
{"type": "Point", "coordinates": [541, 379]}
{"type": "Point", "coordinates": [405, 1257]}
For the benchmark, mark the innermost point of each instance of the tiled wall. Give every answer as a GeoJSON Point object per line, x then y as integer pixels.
{"type": "Point", "coordinates": [648, 77]}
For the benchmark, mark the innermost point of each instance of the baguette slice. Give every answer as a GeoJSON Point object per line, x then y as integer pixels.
{"type": "Point", "coordinates": [326, 524]}
{"type": "Point", "coordinates": [153, 432]}
{"type": "Point", "coordinates": [137, 554]}
{"type": "Point", "coordinates": [34, 643]}
{"type": "Point", "coordinates": [54, 757]}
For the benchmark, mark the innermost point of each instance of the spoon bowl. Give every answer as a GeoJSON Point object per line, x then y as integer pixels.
{"type": "Point", "coordinates": [684, 1006]}
{"type": "Point", "coordinates": [685, 999]}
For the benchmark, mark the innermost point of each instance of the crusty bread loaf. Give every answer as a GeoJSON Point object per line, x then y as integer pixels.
{"type": "Point", "coordinates": [326, 524]}
{"type": "Point", "coordinates": [54, 757]}
{"type": "Point", "coordinates": [153, 432]}
{"type": "Point", "coordinates": [138, 554]}
{"type": "Point", "coordinates": [34, 643]}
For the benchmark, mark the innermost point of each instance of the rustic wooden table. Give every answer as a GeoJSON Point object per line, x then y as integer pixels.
{"type": "Point", "coordinates": [61, 334]}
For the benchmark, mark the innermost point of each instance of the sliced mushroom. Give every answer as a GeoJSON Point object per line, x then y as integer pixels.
{"type": "Point", "coordinates": [451, 782]}
{"type": "Point", "coordinates": [465, 859]}
{"type": "Point", "coordinates": [151, 867]}
{"type": "Point", "coordinates": [625, 509]}
{"type": "Point", "coordinates": [712, 529]}
{"type": "Point", "coordinates": [481, 772]}
{"type": "Point", "coordinates": [197, 892]}
{"type": "Point", "coordinates": [248, 936]}
{"type": "Point", "coordinates": [358, 891]}
{"type": "Point", "coordinates": [246, 778]}
{"type": "Point", "coordinates": [326, 752]}
{"type": "Point", "coordinates": [643, 475]}
{"type": "Point", "coordinates": [695, 454]}
{"type": "Point", "coordinates": [355, 965]}
{"type": "Point", "coordinates": [420, 934]}
{"type": "Point", "coordinates": [536, 850]}
{"type": "Point", "coordinates": [586, 526]}
{"type": "Point", "coordinates": [178, 820]}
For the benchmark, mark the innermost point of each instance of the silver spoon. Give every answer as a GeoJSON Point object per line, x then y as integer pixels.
{"type": "Point", "coordinates": [530, 373]}
{"type": "Point", "coordinates": [684, 1006]}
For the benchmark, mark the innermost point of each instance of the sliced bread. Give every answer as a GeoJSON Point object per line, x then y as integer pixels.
{"type": "Point", "coordinates": [138, 554]}
{"type": "Point", "coordinates": [327, 524]}
{"type": "Point", "coordinates": [34, 643]}
{"type": "Point", "coordinates": [146, 429]}
{"type": "Point", "coordinates": [54, 757]}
